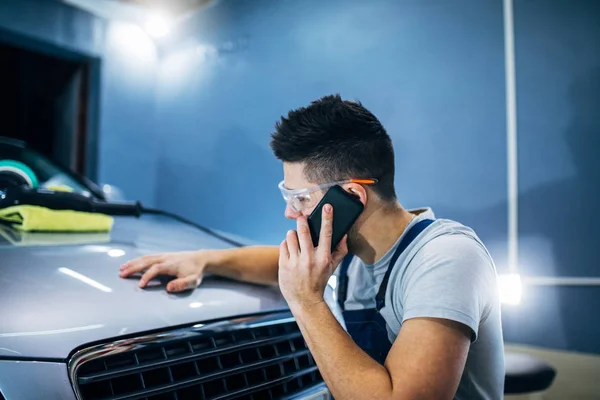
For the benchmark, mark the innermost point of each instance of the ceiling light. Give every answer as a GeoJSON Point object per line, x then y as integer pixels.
{"type": "Point", "coordinates": [157, 26]}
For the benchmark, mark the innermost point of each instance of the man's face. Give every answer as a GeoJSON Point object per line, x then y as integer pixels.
{"type": "Point", "coordinates": [293, 176]}
{"type": "Point", "coordinates": [294, 179]}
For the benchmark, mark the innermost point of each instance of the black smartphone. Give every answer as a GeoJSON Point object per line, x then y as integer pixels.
{"type": "Point", "coordinates": [346, 209]}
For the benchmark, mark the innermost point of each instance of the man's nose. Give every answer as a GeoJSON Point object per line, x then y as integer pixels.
{"type": "Point", "coordinates": [290, 213]}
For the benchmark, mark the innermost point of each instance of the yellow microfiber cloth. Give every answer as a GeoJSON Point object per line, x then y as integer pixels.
{"type": "Point", "coordinates": [20, 238]}
{"type": "Point", "coordinates": [34, 218]}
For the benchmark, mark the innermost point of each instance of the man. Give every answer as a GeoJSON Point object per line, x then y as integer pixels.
{"type": "Point", "coordinates": [419, 295]}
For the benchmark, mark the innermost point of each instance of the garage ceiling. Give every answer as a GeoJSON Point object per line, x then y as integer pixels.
{"type": "Point", "coordinates": [139, 9]}
{"type": "Point", "coordinates": [175, 7]}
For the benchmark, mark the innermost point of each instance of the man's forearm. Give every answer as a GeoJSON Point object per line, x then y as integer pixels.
{"type": "Point", "coordinates": [348, 371]}
{"type": "Point", "coordinates": [256, 264]}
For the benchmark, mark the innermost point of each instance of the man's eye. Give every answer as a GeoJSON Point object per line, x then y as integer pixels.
{"type": "Point", "coordinates": [303, 199]}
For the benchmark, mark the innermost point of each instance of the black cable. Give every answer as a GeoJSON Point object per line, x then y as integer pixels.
{"type": "Point", "coordinates": [156, 211]}
{"type": "Point", "coordinates": [14, 195]}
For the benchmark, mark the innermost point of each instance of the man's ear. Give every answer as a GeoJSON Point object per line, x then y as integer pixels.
{"type": "Point", "coordinates": [357, 191]}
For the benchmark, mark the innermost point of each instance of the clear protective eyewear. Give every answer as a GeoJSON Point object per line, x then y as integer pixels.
{"type": "Point", "coordinates": [302, 199]}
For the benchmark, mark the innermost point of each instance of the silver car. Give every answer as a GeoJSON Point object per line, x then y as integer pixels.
{"type": "Point", "coordinates": [71, 328]}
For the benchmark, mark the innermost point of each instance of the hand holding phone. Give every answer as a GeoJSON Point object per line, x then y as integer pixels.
{"type": "Point", "coordinates": [346, 209]}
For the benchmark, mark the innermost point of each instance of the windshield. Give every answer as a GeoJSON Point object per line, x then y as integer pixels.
{"type": "Point", "coordinates": [48, 173]}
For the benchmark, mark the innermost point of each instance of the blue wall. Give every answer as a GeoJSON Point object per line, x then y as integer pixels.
{"type": "Point", "coordinates": [126, 88]}
{"type": "Point", "coordinates": [558, 96]}
{"type": "Point", "coordinates": [54, 24]}
{"type": "Point", "coordinates": [128, 141]}
{"type": "Point", "coordinates": [433, 74]}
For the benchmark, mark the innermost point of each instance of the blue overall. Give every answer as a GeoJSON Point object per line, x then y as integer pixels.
{"type": "Point", "coordinates": [367, 327]}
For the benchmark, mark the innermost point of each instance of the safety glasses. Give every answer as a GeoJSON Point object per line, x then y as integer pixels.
{"type": "Point", "coordinates": [302, 199]}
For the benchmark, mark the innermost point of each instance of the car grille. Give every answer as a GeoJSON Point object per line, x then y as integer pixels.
{"type": "Point", "coordinates": [252, 358]}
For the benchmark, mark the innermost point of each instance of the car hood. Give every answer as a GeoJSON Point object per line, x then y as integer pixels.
{"type": "Point", "coordinates": [62, 291]}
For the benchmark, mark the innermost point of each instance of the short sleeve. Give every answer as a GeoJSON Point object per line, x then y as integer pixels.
{"type": "Point", "coordinates": [450, 277]}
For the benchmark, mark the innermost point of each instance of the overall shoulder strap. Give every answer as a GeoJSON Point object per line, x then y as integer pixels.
{"type": "Point", "coordinates": [343, 280]}
{"type": "Point", "coordinates": [411, 235]}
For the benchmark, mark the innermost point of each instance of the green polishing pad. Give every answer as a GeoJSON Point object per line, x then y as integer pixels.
{"type": "Point", "coordinates": [20, 169]}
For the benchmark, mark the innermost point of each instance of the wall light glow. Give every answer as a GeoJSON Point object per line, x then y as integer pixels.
{"type": "Point", "coordinates": [157, 26]}
{"type": "Point", "coordinates": [510, 289]}
{"type": "Point", "coordinates": [131, 43]}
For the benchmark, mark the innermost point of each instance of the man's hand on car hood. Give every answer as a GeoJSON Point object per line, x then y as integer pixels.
{"type": "Point", "coordinates": [253, 264]}
{"type": "Point", "coordinates": [188, 268]}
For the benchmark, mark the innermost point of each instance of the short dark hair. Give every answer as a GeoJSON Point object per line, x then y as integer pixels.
{"type": "Point", "coordinates": [337, 139]}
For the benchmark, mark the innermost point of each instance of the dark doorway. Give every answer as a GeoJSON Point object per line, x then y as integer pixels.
{"type": "Point", "coordinates": [44, 101]}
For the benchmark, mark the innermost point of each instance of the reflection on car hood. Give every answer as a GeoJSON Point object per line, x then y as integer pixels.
{"type": "Point", "coordinates": [61, 291]}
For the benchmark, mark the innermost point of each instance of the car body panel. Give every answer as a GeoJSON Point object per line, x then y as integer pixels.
{"type": "Point", "coordinates": [60, 293]}
{"type": "Point", "coordinates": [29, 380]}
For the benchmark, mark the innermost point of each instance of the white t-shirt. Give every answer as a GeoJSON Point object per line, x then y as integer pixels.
{"type": "Point", "coordinates": [446, 272]}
